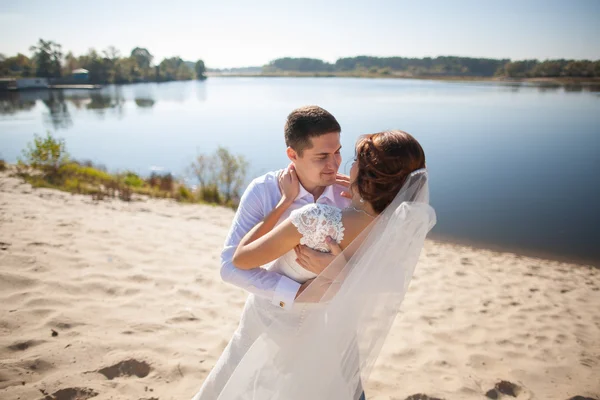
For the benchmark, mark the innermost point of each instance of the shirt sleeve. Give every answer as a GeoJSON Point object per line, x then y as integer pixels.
{"type": "Point", "coordinates": [280, 289]}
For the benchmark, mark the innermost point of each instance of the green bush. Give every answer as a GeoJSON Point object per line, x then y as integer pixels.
{"type": "Point", "coordinates": [133, 180]}
{"type": "Point", "coordinates": [88, 174]}
{"type": "Point", "coordinates": [210, 194]}
{"type": "Point", "coordinates": [184, 194]}
{"type": "Point", "coordinates": [46, 154]}
{"type": "Point", "coordinates": [72, 185]}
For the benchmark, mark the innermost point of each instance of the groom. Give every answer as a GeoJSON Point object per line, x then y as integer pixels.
{"type": "Point", "coordinates": [312, 136]}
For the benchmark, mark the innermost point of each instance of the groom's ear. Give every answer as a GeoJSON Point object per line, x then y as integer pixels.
{"type": "Point", "coordinates": [292, 155]}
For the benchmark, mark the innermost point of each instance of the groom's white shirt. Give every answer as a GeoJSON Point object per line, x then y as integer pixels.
{"type": "Point", "coordinates": [259, 199]}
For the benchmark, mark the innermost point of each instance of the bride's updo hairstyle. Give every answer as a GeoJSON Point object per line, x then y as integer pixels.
{"type": "Point", "coordinates": [385, 160]}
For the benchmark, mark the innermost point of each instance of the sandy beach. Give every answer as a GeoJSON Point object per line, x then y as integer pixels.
{"type": "Point", "coordinates": [123, 300]}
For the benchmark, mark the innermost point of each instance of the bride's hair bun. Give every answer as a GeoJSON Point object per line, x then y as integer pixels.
{"type": "Point", "coordinates": [385, 160]}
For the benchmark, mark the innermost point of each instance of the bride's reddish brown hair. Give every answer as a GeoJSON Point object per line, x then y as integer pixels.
{"type": "Point", "coordinates": [385, 160]}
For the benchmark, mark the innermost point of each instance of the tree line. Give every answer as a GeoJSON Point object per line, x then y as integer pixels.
{"type": "Point", "coordinates": [441, 66]}
{"type": "Point", "coordinates": [109, 66]}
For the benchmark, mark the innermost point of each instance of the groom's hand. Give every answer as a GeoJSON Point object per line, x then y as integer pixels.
{"type": "Point", "coordinates": [314, 260]}
{"type": "Point", "coordinates": [344, 180]}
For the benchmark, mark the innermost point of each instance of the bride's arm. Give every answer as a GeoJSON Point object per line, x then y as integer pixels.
{"type": "Point", "coordinates": [266, 248]}
{"type": "Point", "coordinates": [247, 256]}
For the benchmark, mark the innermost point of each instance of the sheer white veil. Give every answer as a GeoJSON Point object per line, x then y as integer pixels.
{"type": "Point", "coordinates": [326, 348]}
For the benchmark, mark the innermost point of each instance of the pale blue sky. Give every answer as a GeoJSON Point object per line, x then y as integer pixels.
{"type": "Point", "coordinates": [227, 33]}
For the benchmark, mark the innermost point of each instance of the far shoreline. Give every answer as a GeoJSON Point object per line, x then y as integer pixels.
{"type": "Point", "coordinates": [557, 81]}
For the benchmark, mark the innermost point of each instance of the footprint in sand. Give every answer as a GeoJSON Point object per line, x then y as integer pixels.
{"type": "Point", "coordinates": [183, 318]}
{"type": "Point", "coordinates": [504, 387]}
{"type": "Point", "coordinates": [70, 394]}
{"type": "Point", "coordinates": [131, 367]}
{"type": "Point", "coordinates": [421, 396]}
{"type": "Point", "coordinates": [21, 346]}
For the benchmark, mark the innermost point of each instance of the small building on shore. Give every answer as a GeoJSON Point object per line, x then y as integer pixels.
{"type": "Point", "coordinates": [80, 75]}
{"type": "Point", "coordinates": [32, 83]}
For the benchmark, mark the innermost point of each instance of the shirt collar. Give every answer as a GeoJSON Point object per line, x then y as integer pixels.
{"type": "Point", "coordinates": [327, 193]}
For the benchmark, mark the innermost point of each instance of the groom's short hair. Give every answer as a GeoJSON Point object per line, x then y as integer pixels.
{"type": "Point", "coordinates": [307, 122]}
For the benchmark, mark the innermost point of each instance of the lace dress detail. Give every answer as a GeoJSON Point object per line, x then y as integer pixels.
{"type": "Point", "coordinates": [317, 221]}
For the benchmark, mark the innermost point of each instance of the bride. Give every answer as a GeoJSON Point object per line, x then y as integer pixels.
{"type": "Point", "coordinates": [325, 347]}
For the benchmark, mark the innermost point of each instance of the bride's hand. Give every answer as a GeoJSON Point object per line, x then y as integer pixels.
{"type": "Point", "coordinates": [344, 180]}
{"type": "Point", "coordinates": [289, 185]}
{"type": "Point", "coordinates": [316, 261]}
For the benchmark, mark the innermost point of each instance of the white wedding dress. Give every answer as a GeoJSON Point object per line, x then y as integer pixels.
{"type": "Point", "coordinates": [314, 222]}
{"type": "Point", "coordinates": [325, 348]}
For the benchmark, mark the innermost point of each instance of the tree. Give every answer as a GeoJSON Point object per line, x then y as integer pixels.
{"type": "Point", "coordinates": [596, 68]}
{"type": "Point", "coordinates": [219, 173]}
{"type": "Point", "coordinates": [200, 70]}
{"type": "Point", "coordinates": [232, 172]}
{"type": "Point", "coordinates": [97, 67]}
{"type": "Point", "coordinates": [204, 170]}
{"type": "Point", "coordinates": [111, 57]}
{"type": "Point", "coordinates": [549, 68]}
{"type": "Point", "coordinates": [520, 69]}
{"type": "Point", "coordinates": [142, 57]}
{"type": "Point", "coordinates": [17, 66]}
{"type": "Point", "coordinates": [580, 68]}
{"type": "Point", "coordinates": [174, 68]}
{"type": "Point", "coordinates": [47, 55]}
{"type": "Point", "coordinates": [112, 53]}
{"type": "Point", "coordinates": [71, 63]}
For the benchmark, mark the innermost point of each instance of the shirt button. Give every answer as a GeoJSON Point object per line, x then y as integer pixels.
{"type": "Point", "coordinates": [281, 304]}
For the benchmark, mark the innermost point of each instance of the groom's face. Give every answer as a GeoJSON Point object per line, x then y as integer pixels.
{"type": "Point", "coordinates": [318, 165]}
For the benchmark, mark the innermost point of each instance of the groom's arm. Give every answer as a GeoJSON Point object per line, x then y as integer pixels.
{"type": "Point", "coordinates": [278, 288]}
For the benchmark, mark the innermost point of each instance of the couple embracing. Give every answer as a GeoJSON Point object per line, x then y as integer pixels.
{"type": "Point", "coordinates": [327, 260]}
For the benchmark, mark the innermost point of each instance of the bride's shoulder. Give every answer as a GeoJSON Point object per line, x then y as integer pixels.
{"type": "Point", "coordinates": [354, 223]}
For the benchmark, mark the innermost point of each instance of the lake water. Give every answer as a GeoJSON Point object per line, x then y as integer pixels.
{"type": "Point", "coordinates": [512, 166]}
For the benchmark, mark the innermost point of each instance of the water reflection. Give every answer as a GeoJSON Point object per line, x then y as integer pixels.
{"type": "Point", "coordinates": [114, 98]}
{"type": "Point", "coordinates": [58, 113]}
{"type": "Point", "coordinates": [144, 103]}
{"type": "Point", "coordinates": [111, 97]}
{"type": "Point", "coordinates": [175, 91]}
{"type": "Point", "coordinates": [540, 86]}
{"type": "Point", "coordinates": [11, 103]}
{"type": "Point", "coordinates": [100, 104]}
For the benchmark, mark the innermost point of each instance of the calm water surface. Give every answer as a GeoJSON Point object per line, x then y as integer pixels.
{"type": "Point", "coordinates": [512, 166]}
